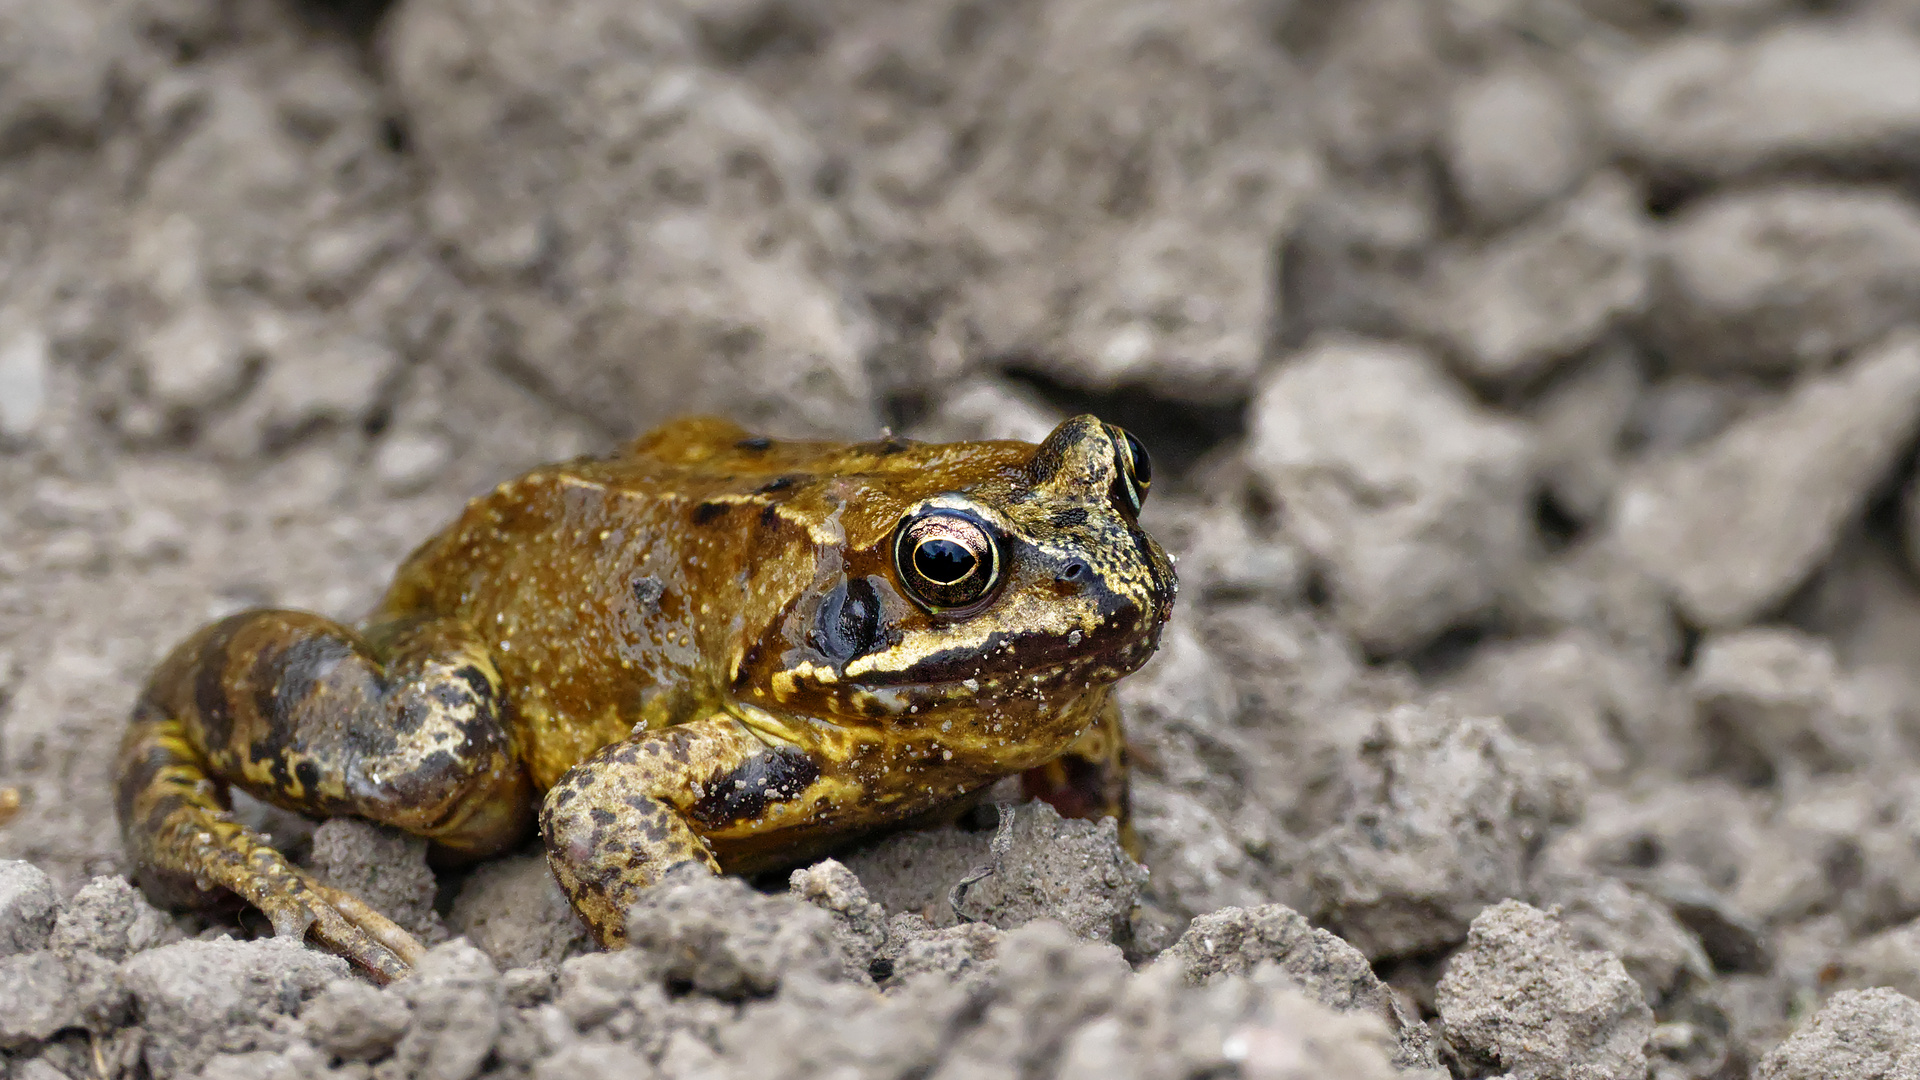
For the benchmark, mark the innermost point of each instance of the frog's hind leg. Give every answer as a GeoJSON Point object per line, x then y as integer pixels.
{"type": "Point", "coordinates": [1089, 780]}
{"type": "Point", "coordinates": [300, 711]}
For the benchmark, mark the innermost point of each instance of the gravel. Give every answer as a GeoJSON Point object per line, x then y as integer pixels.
{"type": "Point", "coordinates": [1533, 389]}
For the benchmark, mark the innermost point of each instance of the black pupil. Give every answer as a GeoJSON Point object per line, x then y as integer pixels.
{"type": "Point", "coordinates": [943, 561]}
{"type": "Point", "coordinates": [1142, 465]}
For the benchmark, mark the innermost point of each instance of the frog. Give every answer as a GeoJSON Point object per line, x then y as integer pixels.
{"type": "Point", "coordinates": [710, 652]}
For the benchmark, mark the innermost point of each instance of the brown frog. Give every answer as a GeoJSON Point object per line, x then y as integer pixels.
{"type": "Point", "coordinates": [713, 648]}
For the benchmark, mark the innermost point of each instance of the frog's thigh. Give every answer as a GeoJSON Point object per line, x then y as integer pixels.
{"type": "Point", "coordinates": [1089, 780]}
{"type": "Point", "coordinates": [619, 820]}
{"type": "Point", "coordinates": [296, 710]}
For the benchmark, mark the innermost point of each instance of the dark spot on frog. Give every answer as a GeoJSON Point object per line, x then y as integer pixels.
{"type": "Point", "coordinates": [849, 621]}
{"type": "Point", "coordinates": [770, 777]}
{"type": "Point", "coordinates": [769, 516]}
{"type": "Point", "coordinates": [778, 483]}
{"type": "Point", "coordinates": [757, 444]}
{"type": "Point", "coordinates": [601, 815]}
{"type": "Point", "coordinates": [308, 774]}
{"type": "Point", "coordinates": [647, 592]}
{"type": "Point", "coordinates": [1071, 518]}
{"type": "Point", "coordinates": [707, 511]}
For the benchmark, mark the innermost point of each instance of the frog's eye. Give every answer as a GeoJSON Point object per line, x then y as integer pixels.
{"type": "Point", "coordinates": [1136, 468]}
{"type": "Point", "coordinates": [946, 559]}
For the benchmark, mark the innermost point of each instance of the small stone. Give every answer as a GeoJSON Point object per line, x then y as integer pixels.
{"type": "Point", "coordinates": [408, 462]}
{"type": "Point", "coordinates": [353, 1020]}
{"type": "Point", "coordinates": [327, 379]}
{"type": "Point", "coordinates": [513, 910]}
{"type": "Point", "coordinates": [1514, 139]}
{"type": "Point", "coordinates": [1605, 915]}
{"type": "Point", "coordinates": [988, 408]}
{"type": "Point", "coordinates": [1785, 278]}
{"type": "Point", "coordinates": [1579, 421]}
{"type": "Point", "coordinates": [1605, 707]}
{"type": "Point", "coordinates": [24, 363]}
{"type": "Point", "coordinates": [593, 1061]}
{"type": "Point", "coordinates": [1069, 870]}
{"type": "Point", "coordinates": [1735, 525]}
{"type": "Point", "coordinates": [1890, 958]}
{"type": "Point", "coordinates": [383, 866]}
{"type": "Point", "coordinates": [455, 993]}
{"type": "Point", "coordinates": [1549, 289]}
{"type": "Point", "coordinates": [1803, 92]}
{"type": "Point", "coordinates": [1773, 701]}
{"type": "Point", "coordinates": [29, 906]}
{"type": "Point", "coordinates": [1859, 1034]}
{"type": "Point", "coordinates": [199, 997]}
{"type": "Point", "coordinates": [36, 999]}
{"type": "Point", "coordinates": [58, 63]}
{"type": "Point", "coordinates": [860, 924]}
{"type": "Point", "coordinates": [110, 917]}
{"type": "Point", "coordinates": [1415, 498]}
{"type": "Point", "coordinates": [1237, 941]}
{"type": "Point", "coordinates": [1444, 814]}
{"type": "Point", "coordinates": [194, 361]}
{"type": "Point", "coordinates": [1522, 997]}
{"type": "Point", "coordinates": [727, 940]}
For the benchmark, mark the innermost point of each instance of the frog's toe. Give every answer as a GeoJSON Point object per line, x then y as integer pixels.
{"type": "Point", "coordinates": [339, 922]}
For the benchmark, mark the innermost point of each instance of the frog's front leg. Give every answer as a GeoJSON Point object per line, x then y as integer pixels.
{"type": "Point", "coordinates": [401, 726]}
{"type": "Point", "coordinates": [618, 821]}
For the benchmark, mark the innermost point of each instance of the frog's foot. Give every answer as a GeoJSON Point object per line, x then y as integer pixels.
{"type": "Point", "coordinates": [301, 907]}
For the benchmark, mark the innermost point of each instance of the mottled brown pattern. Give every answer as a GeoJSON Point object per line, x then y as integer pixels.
{"type": "Point", "coordinates": [707, 649]}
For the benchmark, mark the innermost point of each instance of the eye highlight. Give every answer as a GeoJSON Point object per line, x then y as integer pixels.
{"type": "Point", "coordinates": [1135, 468]}
{"type": "Point", "coordinates": [946, 559]}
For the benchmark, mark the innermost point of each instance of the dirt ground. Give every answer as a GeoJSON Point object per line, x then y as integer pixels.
{"type": "Point", "coordinates": [1534, 388]}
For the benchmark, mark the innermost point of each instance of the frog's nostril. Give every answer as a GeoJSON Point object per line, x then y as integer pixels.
{"type": "Point", "coordinates": [1075, 571]}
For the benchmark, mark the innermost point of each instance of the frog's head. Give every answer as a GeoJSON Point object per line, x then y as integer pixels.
{"type": "Point", "coordinates": [985, 573]}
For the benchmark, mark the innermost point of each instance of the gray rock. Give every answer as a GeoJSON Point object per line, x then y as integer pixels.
{"type": "Point", "coordinates": [1238, 941]}
{"type": "Point", "coordinates": [36, 999]}
{"type": "Point", "coordinates": [1548, 289]}
{"type": "Point", "coordinates": [1735, 525]}
{"type": "Point", "coordinates": [29, 906]}
{"type": "Point", "coordinates": [1521, 996]}
{"type": "Point", "coordinates": [1381, 92]}
{"type": "Point", "coordinates": [668, 215]}
{"type": "Point", "coordinates": [196, 998]}
{"type": "Point", "coordinates": [1604, 914]}
{"type": "Point", "coordinates": [110, 917]}
{"type": "Point", "coordinates": [456, 998]}
{"type": "Point", "coordinates": [988, 408]}
{"type": "Point", "coordinates": [353, 1020]}
{"type": "Point", "coordinates": [513, 910]}
{"type": "Point", "coordinates": [593, 1061]}
{"type": "Point", "coordinates": [1783, 278]}
{"type": "Point", "coordinates": [962, 954]}
{"type": "Point", "coordinates": [1515, 138]}
{"type": "Point", "coordinates": [1413, 497]}
{"type": "Point", "coordinates": [1774, 702]}
{"type": "Point", "coordinates": [24, 364]}
{"type": "Point", "coordinates": [860, 925]}
{"type": "Point", "coordinates": [1799, 93]}
{"type": "Point", "coordinates": [58, 64]}
{"type": "Point", "coordinates": [1071, 871]}
{"type": "Point", "coordinates": [1579, 421]}
{"type": "Point", "coordinates": [1124, 227]}
{"type": "Point", "coordinates": [1593, 588]}
{"type": "Point", "coordinates": [724, 939]}
{"type": "Point", "coordinates": [1444, 819]}
{"type": "Point", "coordinates": [1890, 958]}
{"type": "Point", "coordinates": [1860, 1033]}
{"type": "Point", "coordinates": [383, 866]}
{"type": "Point", "coordinates": [1604, 707]}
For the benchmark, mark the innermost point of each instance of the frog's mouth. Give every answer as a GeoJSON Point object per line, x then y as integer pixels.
{"type": "Point", "coordinates": [1031, 660]}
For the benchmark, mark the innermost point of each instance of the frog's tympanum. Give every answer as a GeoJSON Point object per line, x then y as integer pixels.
{"type": "Point", "coordinates": [712, 648]}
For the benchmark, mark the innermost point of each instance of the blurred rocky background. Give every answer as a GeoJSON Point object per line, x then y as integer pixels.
{"type": "Point", "coordinates": [1536, 385]}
